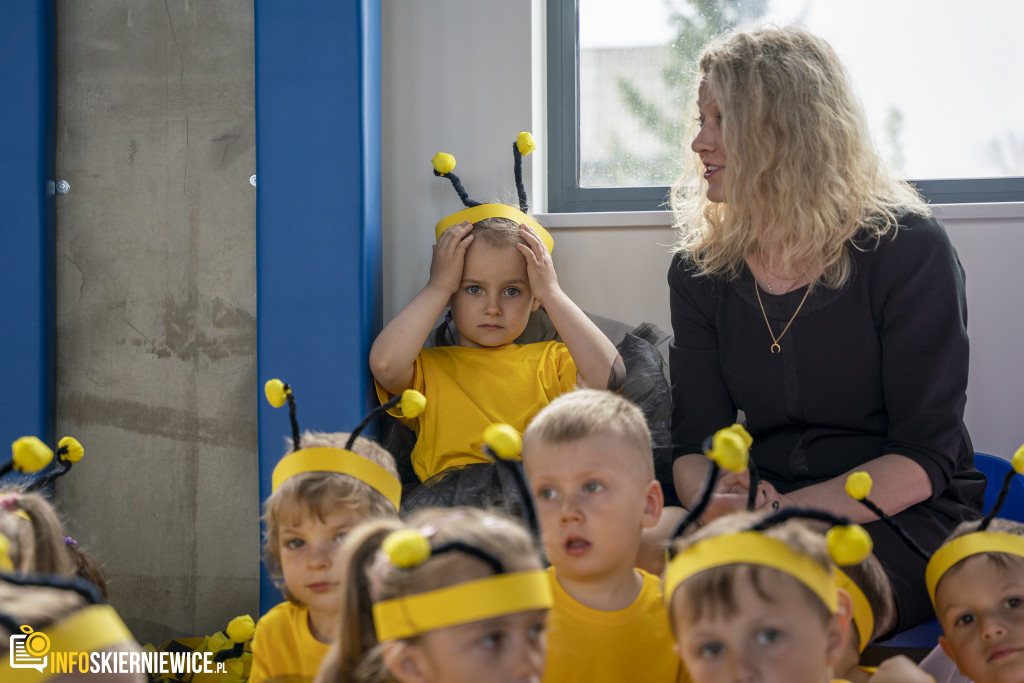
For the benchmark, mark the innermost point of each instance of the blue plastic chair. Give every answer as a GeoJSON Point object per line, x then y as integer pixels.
{"type": "Point", "coordinates": [926, 635]}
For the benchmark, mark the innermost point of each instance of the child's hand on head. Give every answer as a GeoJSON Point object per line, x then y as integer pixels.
{"type": "Point", "coordinates": [539, 266]}
{"type": "Point", "coordinates": [449, 257]}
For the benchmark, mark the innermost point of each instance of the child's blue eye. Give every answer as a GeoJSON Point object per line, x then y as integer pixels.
{"type": "Point", "coordinates": [512, 291]}
{"type": "Point", "coordinates": [709, 650]}
{"type": "Point", "coordinates": [294, 543]}
{"type": "Point", "coordinates": [768, 636]}
{"type": "Point", "coordinates": [491, 641]}
{"type": "Point", "coordinates": [340, 536]}
{"type": "Point", "coordinates": [593, 487]}
{"type": "Point", "coordinates": [546, 494]}
{"type": "Point", "coordinates": [473, 289]}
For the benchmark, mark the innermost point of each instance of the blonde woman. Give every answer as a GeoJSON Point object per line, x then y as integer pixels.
{"type": "Point", "coordinates": [816, 293]}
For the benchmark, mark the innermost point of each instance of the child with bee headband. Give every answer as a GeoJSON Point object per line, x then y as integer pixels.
{"type": "Point", "coordinates": [27, 519]}
{"type": "Point", "coordinates": [976, 584]}
{"type": "Point", "coordinates": [455, 596]}
{"type": "Point", "coordinates": [327, 484]}
{"type": "Point", "coordinates": [491, 267]}
{"type": "Point", "coordinates": [752, 595]}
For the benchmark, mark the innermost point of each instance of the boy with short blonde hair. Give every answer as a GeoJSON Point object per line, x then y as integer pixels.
{"type": "Point", "coordinates": [589, 462]}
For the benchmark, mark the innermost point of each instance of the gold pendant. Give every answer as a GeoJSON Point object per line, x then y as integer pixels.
{"type": "Point", "coordinates": [776, 348]}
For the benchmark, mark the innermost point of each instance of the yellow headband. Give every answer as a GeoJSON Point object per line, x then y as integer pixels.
{"type": "Point", "coordinates": [90, 629]}
{"type": "Point", "coordinates": [342, 461]}
{"type": "Point", "coordinates": [750, 547]}
{"type": "Point", "coordinates": [966, 546]}
{"type": "Point", "coordinates": [863, 615]}
{"type": "Point", "coordinates": [474, 214]}
{"type": "Point", "coordinates": [492, 596]}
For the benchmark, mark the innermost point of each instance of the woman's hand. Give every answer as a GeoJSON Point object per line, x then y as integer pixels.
{"type": "Point", "coordinates": [540, 269]}
{"type": "Point", "coordinates": [449, 257]}
{"type": "Point", "coordinates": [731, 492]}
{"type": "Point", "coordinates": [900, 669]}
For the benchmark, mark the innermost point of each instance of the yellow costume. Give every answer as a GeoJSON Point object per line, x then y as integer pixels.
{"type": "Point", "coordinates": [631, 644]}
{"type": "Point", "coordinates": [284, 646]}
{"type": "Point", "coordinates": [468, 389]}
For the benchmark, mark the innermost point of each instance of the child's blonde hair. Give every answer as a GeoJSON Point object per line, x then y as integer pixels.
{"type": "Point", "coordinates": [320, 493]}
{"type": "Point", "coordinates": [36, 534]}
{"type": "Point", "coordinates": [714, 590]}
{"type": "Point", "coordinates": [371, 578]}
{"type": "Point", "coordinates": [585, 412]}
{"type": "Point", "coordinates": [498, 232]}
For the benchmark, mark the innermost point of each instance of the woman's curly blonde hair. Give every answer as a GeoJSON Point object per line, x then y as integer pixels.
{"type": "Point", "coordinates": [803, 174]}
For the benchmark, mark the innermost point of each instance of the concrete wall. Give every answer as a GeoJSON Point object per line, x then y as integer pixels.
{"type": "Point", "coordinates": [156, 301]}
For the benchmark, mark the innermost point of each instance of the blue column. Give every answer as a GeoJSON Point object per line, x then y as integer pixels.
{"type": "Point", "coordinates": [27, 304]}
{"type": "Point", "coordinates": [318, 215]}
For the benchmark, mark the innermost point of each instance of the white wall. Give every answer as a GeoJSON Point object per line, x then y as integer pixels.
{"type": "Point", "coordinates": [457, 77]}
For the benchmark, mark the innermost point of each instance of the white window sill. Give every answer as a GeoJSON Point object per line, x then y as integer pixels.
{"type": "Point", "coordinates": [663, 219]}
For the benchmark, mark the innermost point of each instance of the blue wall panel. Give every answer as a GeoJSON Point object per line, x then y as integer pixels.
{"type": "Point", "coordinates": [27, 119]}
{"type": "Point", "coordinates": [318, 214]}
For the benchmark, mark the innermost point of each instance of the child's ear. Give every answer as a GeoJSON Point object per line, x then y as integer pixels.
{"type": "Point", "coordinates": [654, 501]}
{"type": "Point", "coordinates": [405, 662]}
{"type": "Point", "coordinates": [947, 649]}
{"type": "Point", "coordinates": [838, 631]}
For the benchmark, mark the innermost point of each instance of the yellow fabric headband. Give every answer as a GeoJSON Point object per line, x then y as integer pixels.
{"type": "Point", "coordinates": [342, 461]}
{"type": "Point", "coordinates": [863, 615]}
{"type": "Point", "coordinates": [475, 214]}
{"type": "Point", "coordinates": [966, 546]}
{"type": "Point", "coordinates": [90, 629]}
{"type": "Point", "coordinates": [750, 547]}
{"type": "Point", "coordinates": [492, 596]}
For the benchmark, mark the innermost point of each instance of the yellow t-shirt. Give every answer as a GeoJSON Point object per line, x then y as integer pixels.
{"type": "Point", "coordinates": [631, 644]}
{"type": "Point", "coordinates": [284, 646]}
{"type": "Point", "coordinates": [468, 389]}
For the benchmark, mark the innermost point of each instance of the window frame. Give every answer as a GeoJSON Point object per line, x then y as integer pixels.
{"type": "Point", "coordinates": [565, 194]}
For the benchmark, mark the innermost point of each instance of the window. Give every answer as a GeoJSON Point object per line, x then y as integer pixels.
{"type": "Point", "coordinates": [938, 85]}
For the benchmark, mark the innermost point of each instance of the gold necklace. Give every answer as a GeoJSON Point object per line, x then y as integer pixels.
{"type": "Point", "coordinates": [766, 270]}
{"type": "Point", "coordinates": [775, 348]}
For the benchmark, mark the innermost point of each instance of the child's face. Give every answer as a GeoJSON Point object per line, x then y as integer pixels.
{"type": "Point", "coordinates": [493, 303]}
{"type": "Point", "coordinates": [308, 549]}
{"type": "Point", "coordinates": [781, 641]}
{"type": "Point", "coordinates": [980, 605]}
{"type": "Point", "coordinates": [506, 649]}
{"type": "Point", "coordinates": [592, 503]}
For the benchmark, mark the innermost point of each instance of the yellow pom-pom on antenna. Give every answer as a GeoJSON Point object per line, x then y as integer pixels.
{"type": "Point", "coordinates": [1018, 461]}
{"type": "Point", "coordinates": [849, 544]}
{"type": "Point", "coordinates": [277, 394]}
{"type": "Point", "coordinates": [406, 548]}
{"type": "Point", "coordinates": [504, 440]}
{"type": "Point", "coordinates": [5, 554]}
{"type": "Point", "coordinates": [70, 449]}
{"type": "Point", "coordinates": [30, 454]}
{"type": "Point", "coordinates": [443, 163]}
{"type": "Point", "coordinates": [240, 629]}
{"type": "Point", "coordinates": [730, 448]}
{"type": "Point", "coordinates": [413, 403]}
{"type": "Point", "coordinates": [858, 485]}
{"type": "Point", "coordinates": [525, 143]}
